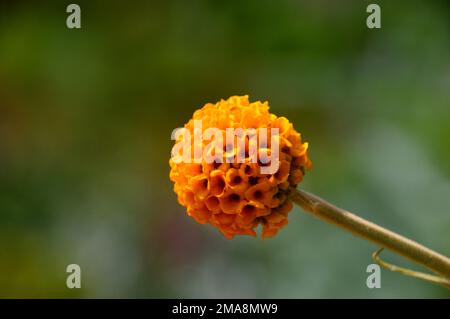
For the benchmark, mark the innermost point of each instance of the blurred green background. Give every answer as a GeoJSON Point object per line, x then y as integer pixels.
{"type": "Point", "coordinates": [85, 123]}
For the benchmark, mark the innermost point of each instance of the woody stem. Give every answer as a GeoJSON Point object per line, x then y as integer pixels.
{"type": "Point", "coordinates": [383, 237]}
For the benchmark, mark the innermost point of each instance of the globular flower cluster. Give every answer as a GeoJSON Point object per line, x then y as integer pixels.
{"type": "Point", "coordinates": [236, 197]}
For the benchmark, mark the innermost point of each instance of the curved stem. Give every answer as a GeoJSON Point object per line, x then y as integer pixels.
{"type": "Point", "coordinates": [360, 227]}
{"type": "Point", "coordinates": [438, 280]}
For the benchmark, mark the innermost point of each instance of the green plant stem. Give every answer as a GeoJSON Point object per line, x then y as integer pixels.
{"type": "Point", "coordinates": [438, 280]}
{"type": "Point", "coordinates": [360, 227]}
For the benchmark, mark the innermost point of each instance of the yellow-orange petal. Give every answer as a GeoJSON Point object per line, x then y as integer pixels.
{"type": "Point", "coordinates": [250, 211]}
{"type": "Point", "coordinates": [191, 169]}
{"type": "Point", "coordinates": [283, 125]}
{"type": "Point", "coordinates": [275, 218]}
{"type": "Point", "coordinates": [201, 215]}
{"type": "Point", "coordinates": [262, 193]}
{"type": "Point", "coordinates": [231, 202]}
{"type": "Point", "coordinates": [178, 178]}
{"type": "Point", "coordinates": [236, 181]}
{"type": "Point", "coordinates": [296, 176]}
{"type": "Point", "coordinates": [199, 185]}
{"type": "Point", "coordinates": [249, 169]}
{"type": "Point", "coordinates": [187, 198]}
{"type": "Point", "coordinates": [284, 185]}
{"type": "Point", "coordinates": [256, 192]}
{"type": "Point", "coordinates": [299, 149]}
{"type": "Point", "coordinates": [286, 207]}
{"type": "Point", "coordinates": [217, 183]}
{"type": "Point", "coordinates": [283, 172]}
{"type": "Point", "coordinates": [268, 231]}
{"type": "Point", "coordinates": [247, 214]}
{"type": "Point", "coordinates": [222, 219]}
{"type": "Point", "coordinates": [213, 204]}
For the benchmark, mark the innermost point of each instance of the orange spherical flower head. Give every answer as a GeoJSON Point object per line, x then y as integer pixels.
{"type": "Point", "coordinates": [230, 171]}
